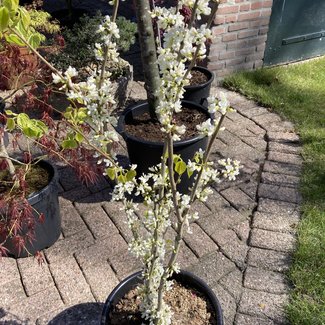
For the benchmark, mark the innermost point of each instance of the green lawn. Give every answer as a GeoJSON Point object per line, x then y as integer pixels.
{"type": "Point", "coordinates": [297, 92]}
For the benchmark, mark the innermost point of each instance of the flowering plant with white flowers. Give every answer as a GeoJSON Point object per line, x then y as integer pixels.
{"type": "Point", "coordinates": [170, 58]}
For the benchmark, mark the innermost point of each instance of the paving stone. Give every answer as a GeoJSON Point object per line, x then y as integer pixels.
{"type": "Point", "coordinates": [227, 302]}
{"type": "Point", "coordinates": [71, 221]}
{"type": "Point", "coordinates": [76, 290]}
{"type": "Point", "coordinates": [254, 111]}
{"type": "Point", "coordinates": [236, 148]}
{"type": "Point", "coordinates": [257, 143]}
{"type": "Point", "coordinates": [26, 311]}
{"type": "Point", "coordinates": [96, 219]}
{"type": "Point", "coordinates": [8, 270]}
{"type": "Point", "coordinates": [272, 240]}
{"type": "Point", "coordinates": [283, 137]}
{"type": "Point", "coordinates": [64, 248]}
{"type": "Point", "coordinates": [117, 214]}
{"type": "Point", "coordinates": [212, 267]}
{"type": "Point", "coordinates": [257, 130]}
{"type": "Point", "coordinates": [281, 126]}
{"type": "Point", "coordinates": [124, 264]}
{"type": "Point", "coordinates": [199, 242]}
{"type": "Point", "coordinates": [76, 194]}
{"type": "Point", "coordinates": [243, 104]}
{"type": "Point", "coordinates": [236, 251]}
{"type": "Point", "coordinates": [282, 168]}
{"type": "Point", "coordinates": [239, 199]}
{"type": "Point", "coordinates": [222, 219]}
{"type": "Point", "coordinates": [81, 314]}
{"type": "Point", "coordinates": [103, 249]}
{"type": "Point", "coordinates": [35, 277]}
{"type": "Point", "coordinates": [285, 158]}
{"type": "Point", "coordinates": [278, 207]}
{"type": "Point", "coordinates": [242, 230]}
{"type": "Point", "coordinates": [280, 179]}
{"type": "Point", "coordinates": [281, 193]}
{"type": "Point", "coordinates": [98, 274]}
{"type": "Point", "coordinates": [223, 236]}
{"type": "Point", "coordinates": [274, 222]}
{"type": "Point", "coordinates": [264, 304]}
{"type": "Point", "coordinates": [250, 188]}
{"type": "Point", "coordinates": [201, 208]}
{"type": "Point", "coordinates": [69, 179]}
{"type": "Point", "coordinates": [232, 282]}
{"type": "Point", "coordinates": [99, 185]}
{"type": "Point", "coordinates": [241, 130]}
{"type": "Point", "coordinates": [269, 259]}
{"type": "Point", "coordinates": [242, 319]}
{"type": "Point", "coordinates": [264, 280]}
{"type": "Point", "coordinates": [266, 119]}
{"type": "Point", "coordinates": [216, 202]}
{"type": "Point", "coordinates": [11, 292]}
{"type": "Point", "coordinates": [292, 148]}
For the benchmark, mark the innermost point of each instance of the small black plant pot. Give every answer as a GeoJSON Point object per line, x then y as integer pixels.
{"type": "Point", "coordinates": [199, 93]}
{"type": "Point", "coordinates": [146, 154]}
{"type": "Point", "coordinates": [185, 278]}
{"type": "Point", "coordinates": [45, 201]}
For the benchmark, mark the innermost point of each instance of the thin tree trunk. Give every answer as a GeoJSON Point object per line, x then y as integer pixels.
{"type": "Point", "coordinates": [148, 53]}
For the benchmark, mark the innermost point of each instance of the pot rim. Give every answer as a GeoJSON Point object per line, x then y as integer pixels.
{"type": "Point", "coordinates": [135, 277]}
{"type": "Point", "coordinates": [121, 126]}
{"type": "Point", "coordinates": [207, 72]}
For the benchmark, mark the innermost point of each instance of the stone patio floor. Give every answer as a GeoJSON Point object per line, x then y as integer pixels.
{"type": "Point", "coordinates": [241, 245]}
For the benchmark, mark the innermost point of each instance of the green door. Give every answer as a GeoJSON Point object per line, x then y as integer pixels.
{"type": "Point", "coordinates": [296, 32]}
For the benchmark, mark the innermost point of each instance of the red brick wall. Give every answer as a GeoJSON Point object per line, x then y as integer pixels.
{"type": "Point", "coordinates": [239, 36]}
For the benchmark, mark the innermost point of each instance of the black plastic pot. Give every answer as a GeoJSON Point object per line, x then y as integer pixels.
{"type": "Point", "coordinates": [45, 201]}
{"type": "Point", "coordinates": [184, 277]}
{"type": "Point", "coordinates": [146, 154]}
{"type": "Point", "coordinates": [199, 93]}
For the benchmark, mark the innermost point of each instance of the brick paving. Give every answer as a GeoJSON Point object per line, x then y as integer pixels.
{"type": "Point", "coordinates": [241, 246]}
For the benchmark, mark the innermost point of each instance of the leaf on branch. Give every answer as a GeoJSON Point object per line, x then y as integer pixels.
{"type": "Point", "coordinates": [111, 173]}
{"type": "Point", "coordinates": [180, 167]}
{"type": "Point", "coordinates": [4, 18]}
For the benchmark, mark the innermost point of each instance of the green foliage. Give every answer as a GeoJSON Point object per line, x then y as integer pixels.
{"type": "Point", "coordinates": [30, 127]}
{"type": "Point", "coordinates": [16, 20]}
{"type": "Point", "coordinates": [297, 93]}
{"type": "Point", "coordinates": [80, 42]}
{"type": "Point", "coordinates": [42, 22]}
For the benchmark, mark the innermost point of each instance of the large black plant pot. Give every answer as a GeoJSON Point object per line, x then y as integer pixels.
{"type": "Point", "coordinates": [146, 154]}
{"type": "Point", "coordinates": [199, 93]}
{"type": "Point", "coordinates": [45, 201]}
{"type": "Point", "coordinates": [184, 277]}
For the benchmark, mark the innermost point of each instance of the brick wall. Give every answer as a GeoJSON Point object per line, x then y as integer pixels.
{"type": "Point", "coordinates": [239, 36]}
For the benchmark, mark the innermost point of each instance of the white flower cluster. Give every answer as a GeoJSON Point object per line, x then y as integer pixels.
{"type": "Point", "coordinates": [109, 33]}
{"type": "Point", "coordinates": [95, 94]}
{"type": "Point", "coordinates": [180, 43]}
{"type": "Point", "coordinates": [231, 168]}
{"type": "Point", "coordinates": [202, 6]}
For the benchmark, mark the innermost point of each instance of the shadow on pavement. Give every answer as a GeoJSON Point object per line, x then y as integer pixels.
{"type": "Point", "coordinates": [87, 313]}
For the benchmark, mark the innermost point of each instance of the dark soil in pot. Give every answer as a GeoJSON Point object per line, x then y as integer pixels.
{"type": "Point", "coordinates": [200, 84]}
{"type": "Point", "coordinates": [37, 178]}
{"type": "Point", "coordinates": [198, 78]}
{"type": "Point", "coordinates": [191, 300]}
{"type": "Point", "coordinates": [143, 127]}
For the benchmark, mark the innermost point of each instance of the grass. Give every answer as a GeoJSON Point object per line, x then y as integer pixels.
{"type": "Point", "coordinates": [297, 93]}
